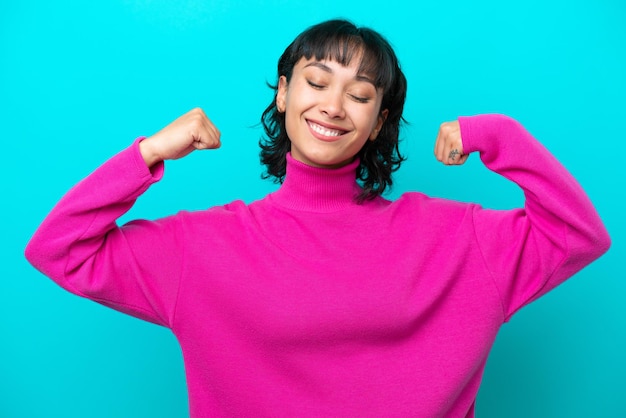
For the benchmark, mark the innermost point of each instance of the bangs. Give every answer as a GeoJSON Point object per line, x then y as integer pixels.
{"type": "Point", "coordinates": [343, 45]}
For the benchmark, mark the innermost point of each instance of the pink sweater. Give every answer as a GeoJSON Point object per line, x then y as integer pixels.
{"type": "Point", "coordinates": [306, 304]}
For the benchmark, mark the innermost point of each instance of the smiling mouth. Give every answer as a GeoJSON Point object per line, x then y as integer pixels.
{"type": "Point", "coordinates": [324, 131]}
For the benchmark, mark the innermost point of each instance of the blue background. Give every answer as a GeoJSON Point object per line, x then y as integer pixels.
{"type": "Point", "coordinates": [80, 80]}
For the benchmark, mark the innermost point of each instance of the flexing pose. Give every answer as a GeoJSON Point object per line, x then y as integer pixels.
{"type": "Point", "coordinates": [323, 298]}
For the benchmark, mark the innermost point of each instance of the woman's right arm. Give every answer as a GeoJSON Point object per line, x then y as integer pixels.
{"type": "Point", "coordinates": [134, 268]}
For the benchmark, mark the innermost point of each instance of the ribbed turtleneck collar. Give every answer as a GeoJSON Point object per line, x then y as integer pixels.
{"type": "Point", "coordinates": [317, 189]}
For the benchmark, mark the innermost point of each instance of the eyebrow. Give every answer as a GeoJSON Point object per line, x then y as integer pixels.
{"type": "Point", "coordinates": [324, 67]}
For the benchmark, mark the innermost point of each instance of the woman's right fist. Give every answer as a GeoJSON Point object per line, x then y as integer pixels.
{"type": "Point", "coordinates": [192, 131]}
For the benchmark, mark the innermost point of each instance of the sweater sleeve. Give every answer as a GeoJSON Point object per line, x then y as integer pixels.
{"type": "Point", "coordinates": [530, 251]}
{"type": "Point", "coordinates": [134, 268]}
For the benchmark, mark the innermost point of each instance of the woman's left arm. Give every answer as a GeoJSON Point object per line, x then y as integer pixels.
{"type": "Point", "coordinates": [530, 250]}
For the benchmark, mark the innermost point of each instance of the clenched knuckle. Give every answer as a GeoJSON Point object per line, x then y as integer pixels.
{"type": "Point", "coordinates": [446, 128]}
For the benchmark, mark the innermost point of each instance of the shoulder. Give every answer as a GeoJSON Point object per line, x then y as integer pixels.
{"type": "Point", "coordinates": [424, 202]}
{"type": "Point", "coordinates": [215, 216]}
{"type": "Point", "coordinates": [424, 212]}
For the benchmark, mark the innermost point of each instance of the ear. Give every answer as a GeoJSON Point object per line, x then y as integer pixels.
{"type": "Point", "coordinates": [382, 117]}
{"type": "Point", "coordinates": [281, 94]}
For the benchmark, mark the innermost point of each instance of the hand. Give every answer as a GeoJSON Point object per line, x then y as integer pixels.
{"type": "Point", "coordinates": [449, 144]}
{"type": "Point", "coordinates": [192, 131]}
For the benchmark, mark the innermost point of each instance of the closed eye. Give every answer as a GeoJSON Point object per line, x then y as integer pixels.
{"type": "Point", "coordinates": [360, 99]}
{"type": "Point", "coordinates": [315, 85]}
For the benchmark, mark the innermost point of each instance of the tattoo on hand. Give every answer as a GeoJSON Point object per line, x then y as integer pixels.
{"type": "Point", "coordinates": [453, 154]}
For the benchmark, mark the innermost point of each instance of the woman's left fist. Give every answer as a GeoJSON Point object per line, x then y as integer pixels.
{"type": "Point", "coordinates": [449, 144]}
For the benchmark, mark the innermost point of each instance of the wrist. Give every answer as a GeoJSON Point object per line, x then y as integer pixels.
{"type": "Point", "coordinates": [148, 153]}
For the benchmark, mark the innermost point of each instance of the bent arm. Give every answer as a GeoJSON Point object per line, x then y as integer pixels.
{"type": "Point", "coordinates": [558, 232]}
{"type": "Point", "coordinates": [135, 268]}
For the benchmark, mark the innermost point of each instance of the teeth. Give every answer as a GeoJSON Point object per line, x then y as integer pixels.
{"type": "Point", "coordinates": [324, 131]}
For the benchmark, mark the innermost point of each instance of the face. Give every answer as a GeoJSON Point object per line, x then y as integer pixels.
{"type": "Point", "coordinates": [330, 111]}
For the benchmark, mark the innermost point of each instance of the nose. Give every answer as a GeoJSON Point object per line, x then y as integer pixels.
{"type": "Point", "coordinates": [332, 104]}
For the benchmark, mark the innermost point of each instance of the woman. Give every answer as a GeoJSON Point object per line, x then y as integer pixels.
{"type": "Point", "coordinates": [323, 298]}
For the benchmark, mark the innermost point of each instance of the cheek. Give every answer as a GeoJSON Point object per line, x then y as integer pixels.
{"type": "Point", "coordinates": [291, 124]}
{"type": "Point", "coordinates": [366, 121]}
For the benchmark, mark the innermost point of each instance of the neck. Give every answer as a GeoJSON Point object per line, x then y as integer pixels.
{"type": "Point", "coordinates": [317, 189]}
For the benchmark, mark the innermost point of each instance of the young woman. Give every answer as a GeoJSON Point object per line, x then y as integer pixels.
{"type": "Point", "coordinates": [323, 298]}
